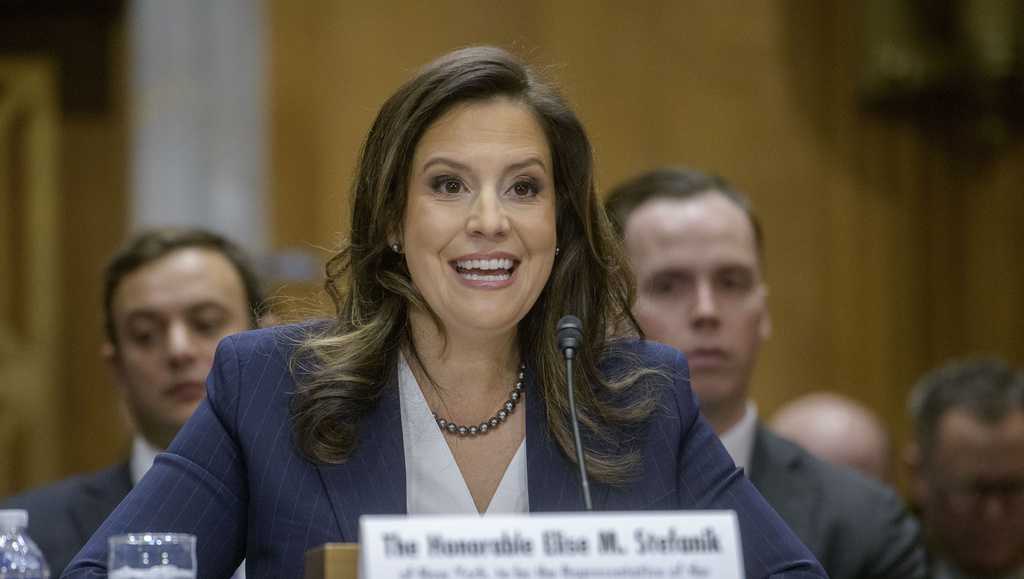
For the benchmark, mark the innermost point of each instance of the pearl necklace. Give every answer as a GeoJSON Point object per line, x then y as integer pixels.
{"type": "Point", "coordinates": [492, 422]}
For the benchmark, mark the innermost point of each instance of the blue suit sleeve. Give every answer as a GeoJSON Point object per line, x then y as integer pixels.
{"type": "Point", "coordinates": [198, 486]}
{"type": "Point", "coordinates": [708, 479]}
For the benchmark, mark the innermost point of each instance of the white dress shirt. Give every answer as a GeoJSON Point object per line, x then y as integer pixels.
{"type": "Point", "coordinates": [739, 440]}
{"type": "Point", "coordinates": [433, 481]}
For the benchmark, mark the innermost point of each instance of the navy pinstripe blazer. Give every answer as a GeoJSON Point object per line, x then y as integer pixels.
{"type": "Point", "coordinates": [235, 479]}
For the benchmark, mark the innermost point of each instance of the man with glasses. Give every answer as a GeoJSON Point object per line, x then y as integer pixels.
{"type": "Point", "coordinates": [967, 466]}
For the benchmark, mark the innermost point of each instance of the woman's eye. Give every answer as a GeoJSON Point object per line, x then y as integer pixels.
{"type": "Point", "coordinates": [447, 185]}
{"type": "Point", "coordinates": [524, 189]}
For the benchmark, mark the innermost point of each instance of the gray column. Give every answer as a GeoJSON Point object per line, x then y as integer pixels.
{"type": "Point", "coordinates": [199, 116]}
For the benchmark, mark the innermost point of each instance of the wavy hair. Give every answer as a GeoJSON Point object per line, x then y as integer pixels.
{"type": "Point", "coordinates": [343, 367]}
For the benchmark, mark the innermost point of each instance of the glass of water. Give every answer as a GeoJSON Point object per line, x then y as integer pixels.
{"type": "Point", "coordinates": [152, 556]}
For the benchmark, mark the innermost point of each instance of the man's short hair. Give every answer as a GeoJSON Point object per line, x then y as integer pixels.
{"type": "Point", "coordinates": [151, 245]}
{"type": "Point", "coordinates": [989, 389]}
{"type": "Point", "coordinates": [675, 183]}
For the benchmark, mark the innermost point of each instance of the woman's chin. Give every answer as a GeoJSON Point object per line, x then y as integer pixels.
{"type": "Point", "coordinates": [484, 325]}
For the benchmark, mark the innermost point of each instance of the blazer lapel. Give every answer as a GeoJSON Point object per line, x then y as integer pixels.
{"type": "Point", "coordinates": [372, 480]}
{"type": "Point", "coordinates": [553, 481]}
{"type": "Point", "coordinates": [775, 472]}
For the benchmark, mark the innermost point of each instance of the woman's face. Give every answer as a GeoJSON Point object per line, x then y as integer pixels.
{"type": "Point", "coordinates": [479, 224]}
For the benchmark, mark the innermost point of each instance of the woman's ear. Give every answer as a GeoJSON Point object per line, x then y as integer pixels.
{"type": "Point", "coordinates": [394, 238]}
{"type": "Point", "coordinates": [395, 246]}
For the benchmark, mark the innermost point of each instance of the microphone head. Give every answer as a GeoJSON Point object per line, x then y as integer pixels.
{"type": "Point", "coordinates": [570, 333]}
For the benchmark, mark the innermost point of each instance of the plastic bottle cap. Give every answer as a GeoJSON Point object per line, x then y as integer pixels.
{"type": "Point", "coordinates": [13, 518]}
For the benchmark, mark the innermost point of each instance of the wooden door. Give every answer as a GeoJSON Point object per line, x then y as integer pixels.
{"type": "Point", "coordinates": [29, 286]}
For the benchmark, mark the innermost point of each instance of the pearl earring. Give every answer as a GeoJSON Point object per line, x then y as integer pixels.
{"type": "Point", "coordinates": [396, 248]}
{"type": "Point", "coordinates": [557, 250]}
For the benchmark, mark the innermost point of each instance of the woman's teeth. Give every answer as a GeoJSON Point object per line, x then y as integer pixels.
{"type": "Point", "coordinates": [485, 269]}
{"type": "Point", "coordinates": [481, 277]}
{"type": "Point", "coordinates": [484, 264]}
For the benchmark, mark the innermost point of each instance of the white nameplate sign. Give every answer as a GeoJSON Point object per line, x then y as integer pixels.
{"type": "Point", "coordinates": [687, 544]}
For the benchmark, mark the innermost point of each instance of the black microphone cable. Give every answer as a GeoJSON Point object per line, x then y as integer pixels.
{"type": "Point", "coordinates": [570, 337]}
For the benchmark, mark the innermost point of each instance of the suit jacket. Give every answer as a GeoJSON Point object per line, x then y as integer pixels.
{"type": "Point", "coordinates": [856, 527]}
{"type": "Point", "coordinates": [62, 516]}
{"type": "Point", "coordinates": [234, 477]}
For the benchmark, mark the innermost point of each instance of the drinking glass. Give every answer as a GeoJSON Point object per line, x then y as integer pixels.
{"type": "Point", "coordinates": [152, 556]}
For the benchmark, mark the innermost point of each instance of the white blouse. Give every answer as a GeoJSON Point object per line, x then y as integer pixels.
{"type": "Point", "coordinates": [433, 481]}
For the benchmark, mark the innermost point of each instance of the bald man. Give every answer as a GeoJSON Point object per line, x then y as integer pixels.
{"type": "Point", "coordinates": [836, 429]}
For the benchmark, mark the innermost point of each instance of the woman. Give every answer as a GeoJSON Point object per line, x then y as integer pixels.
{"type": "Point", "coordinates": [438, 386]}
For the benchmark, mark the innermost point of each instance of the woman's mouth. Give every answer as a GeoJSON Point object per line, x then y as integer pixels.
{"type": "Point", "coordinates": [494, 270]}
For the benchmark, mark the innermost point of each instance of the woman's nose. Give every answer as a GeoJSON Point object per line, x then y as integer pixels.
{"type": "Point", "coordinates": [487, 217]}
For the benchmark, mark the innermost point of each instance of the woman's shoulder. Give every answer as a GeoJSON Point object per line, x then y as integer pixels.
{"type": "Point", "coordinates": [275, 341]}
{"type": "Point", "coordinates": [257, 363]}
{"type": "Point", "coordinates": [639, 353]}
{"type": "Point", "coordinates": [660, 371]}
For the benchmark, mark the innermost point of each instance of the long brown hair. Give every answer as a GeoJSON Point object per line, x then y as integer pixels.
{"type": "Point", "coordinates": [342, 369]}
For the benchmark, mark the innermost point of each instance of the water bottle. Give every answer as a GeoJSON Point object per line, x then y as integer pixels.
{"type": "Point", "coordinates": [20, 558]}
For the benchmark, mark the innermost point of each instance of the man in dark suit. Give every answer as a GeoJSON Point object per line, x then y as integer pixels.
{"type": "Point", "coordinates": [170, 295]}
{"type": "Point", "coordinates": [696, 249]}
{"type": "Point", "coordinates": [967, 467]}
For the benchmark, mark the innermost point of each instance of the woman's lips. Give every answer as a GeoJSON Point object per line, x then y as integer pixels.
{"type": "Point", "coordinates": [485, 272]}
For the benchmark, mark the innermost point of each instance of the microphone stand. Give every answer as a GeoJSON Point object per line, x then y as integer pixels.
{"type": "Point", "coordinates": [570, 334]}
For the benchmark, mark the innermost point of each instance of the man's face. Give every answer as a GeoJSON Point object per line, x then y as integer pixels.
{"type": "Point", "coordinates": [971, 490]}
{"type": "Point", "coordinates": [168, 317]}
{"type": "Point", "coordinates": [699, 289]}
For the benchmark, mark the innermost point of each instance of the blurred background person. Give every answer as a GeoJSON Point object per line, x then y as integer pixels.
{"type": "Point", "coordinates": [696, 248]}
{"type": "Point", "coordinates": [967, 466]}
{"type": "Point", "coordinates": [170, 295]}
{"type": "Point", "coordinates": [837, 429]}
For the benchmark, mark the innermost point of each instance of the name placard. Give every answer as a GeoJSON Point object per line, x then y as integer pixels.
{"type": "Point", "coordinates": [647, 545]}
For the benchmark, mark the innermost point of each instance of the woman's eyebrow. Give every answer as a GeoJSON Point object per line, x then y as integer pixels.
{"type": "Point", "coordinates": [526, 163]}
{"type": "Point", "coordinates": [444, 161]}
{"type": "Point", "coordinates": [463, 167]}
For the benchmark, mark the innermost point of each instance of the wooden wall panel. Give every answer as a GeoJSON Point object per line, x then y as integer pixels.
{"type": "Point", "coordinates": [94, 218]}
{"type": "Point", "coordinates": [887, 249]}
{"type": "Point", "coordinates": [993, 230]}
{"type": "Point", "coordinates": [30, 321]}
{"type": "Point", "coordinates": [70, 219]}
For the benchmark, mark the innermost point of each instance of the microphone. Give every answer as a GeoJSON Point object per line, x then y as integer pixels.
{"type": "Point", "coordinates": [570, 338]}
